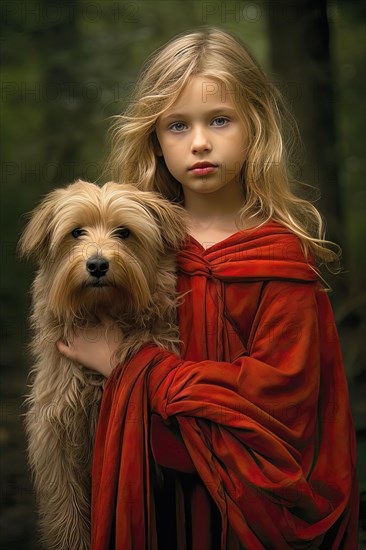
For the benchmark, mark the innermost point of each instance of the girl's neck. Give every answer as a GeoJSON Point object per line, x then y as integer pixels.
{"type": "Point", "coordinates": [215, 209]}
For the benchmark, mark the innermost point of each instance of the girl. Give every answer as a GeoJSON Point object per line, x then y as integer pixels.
{"type": "Point", "coordinates": [250, 427]}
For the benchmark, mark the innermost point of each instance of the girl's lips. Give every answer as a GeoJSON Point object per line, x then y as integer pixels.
{"type": "Point", "coordinates": [203, 170]}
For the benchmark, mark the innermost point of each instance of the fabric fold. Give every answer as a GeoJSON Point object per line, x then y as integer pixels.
{"type": "Point", "coordinates": [258, 397]}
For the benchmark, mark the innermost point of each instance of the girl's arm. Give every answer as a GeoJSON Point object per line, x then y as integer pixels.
{"type": "Point", "coordinates": [259, 430]}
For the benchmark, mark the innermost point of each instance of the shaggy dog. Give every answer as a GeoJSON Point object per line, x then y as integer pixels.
{"type": "Point", "coordinates": [108, 250]}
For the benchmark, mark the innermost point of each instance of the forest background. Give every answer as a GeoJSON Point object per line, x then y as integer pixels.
{"type": "Point", "coordinates": [68, 67]}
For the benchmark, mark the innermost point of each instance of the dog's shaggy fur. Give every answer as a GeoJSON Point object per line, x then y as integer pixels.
{"type": "Point", "coordinates": [135, 235]}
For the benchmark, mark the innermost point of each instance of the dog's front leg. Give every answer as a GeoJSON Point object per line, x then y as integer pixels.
{"type": "Point", "coordinates": [61, 422]}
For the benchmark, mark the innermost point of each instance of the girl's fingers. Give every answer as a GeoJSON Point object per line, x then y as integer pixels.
{"type": "Point", "coordinates": [92, 349]}
{"type": "Point", "coordinates": [64, 349]}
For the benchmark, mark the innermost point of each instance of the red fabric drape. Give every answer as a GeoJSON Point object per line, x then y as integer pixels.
{"type": "Point", "coordinates": [257, 406]}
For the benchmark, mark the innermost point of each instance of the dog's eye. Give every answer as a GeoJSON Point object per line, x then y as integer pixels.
{"type": "Point", "coordinates": [76, 233]}
{"type": "Point", "coordinates": [122, 232]}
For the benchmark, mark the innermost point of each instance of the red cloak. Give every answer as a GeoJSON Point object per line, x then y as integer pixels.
{"type": "Point", "coordinates": [251, 426]}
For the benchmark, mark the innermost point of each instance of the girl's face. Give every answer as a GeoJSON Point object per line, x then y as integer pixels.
{"type": "Point", "coordinates": [201, 137]}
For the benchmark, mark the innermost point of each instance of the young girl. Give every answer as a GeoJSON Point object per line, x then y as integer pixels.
{"type": "Point", "coordinates": [250, 428]}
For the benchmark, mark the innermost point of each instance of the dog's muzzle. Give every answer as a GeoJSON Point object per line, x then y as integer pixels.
{"type": "Point", "coordinates": [97, 266]}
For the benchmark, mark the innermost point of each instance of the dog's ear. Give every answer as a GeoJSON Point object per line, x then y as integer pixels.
{"type": "Point", "coordinates": [172, 220]}
{"type": "Point", "coordinates": [34, 240]}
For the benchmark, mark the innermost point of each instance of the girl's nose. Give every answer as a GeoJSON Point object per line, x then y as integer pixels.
{"type": "Point", "coordinates": [200, 141]}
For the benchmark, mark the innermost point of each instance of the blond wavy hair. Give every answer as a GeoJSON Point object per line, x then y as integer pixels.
{"type": "Point", "coordinates": [270, 189]}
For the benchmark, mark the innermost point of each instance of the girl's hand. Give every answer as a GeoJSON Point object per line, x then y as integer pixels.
{"type": "Point", "coordinates": [94, 348]}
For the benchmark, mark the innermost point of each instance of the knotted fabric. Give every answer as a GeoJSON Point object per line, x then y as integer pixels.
{"type": "Point", "coordinates": [258, 400]}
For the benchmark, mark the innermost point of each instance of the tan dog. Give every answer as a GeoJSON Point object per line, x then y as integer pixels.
{"type": "Point", "coordinates": [106, 250]}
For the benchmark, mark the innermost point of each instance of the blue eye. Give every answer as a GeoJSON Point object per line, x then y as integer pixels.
{"type": "Point", "coordinates": [178, 127]}
{"type": "Point", "coordinates": [220, 121]}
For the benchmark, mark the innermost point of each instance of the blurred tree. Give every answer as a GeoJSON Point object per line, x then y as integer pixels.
{"type": "Point", "coordinates": [67, 110]}
{"type": "Point", "coordinates": [302, 65]}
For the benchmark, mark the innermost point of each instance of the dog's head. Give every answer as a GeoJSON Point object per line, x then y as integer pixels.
{"type": "Point", "coordinates": [101, 245]}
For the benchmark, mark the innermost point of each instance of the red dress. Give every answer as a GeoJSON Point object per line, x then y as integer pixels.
{"type": "Point", "coordinates": [251, 426]}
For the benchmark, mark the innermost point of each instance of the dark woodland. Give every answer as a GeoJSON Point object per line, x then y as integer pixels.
{"type": "Point", "coordinates": [68, 67]}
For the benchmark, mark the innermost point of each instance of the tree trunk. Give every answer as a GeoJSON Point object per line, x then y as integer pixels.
{"type": "Point", "coordinates": [301, 64]}
{"type": "Point", "coordinates": [66, 110]}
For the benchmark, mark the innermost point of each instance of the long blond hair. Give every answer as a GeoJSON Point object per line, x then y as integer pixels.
{"type": "Point", "coordinates": [268, 185]}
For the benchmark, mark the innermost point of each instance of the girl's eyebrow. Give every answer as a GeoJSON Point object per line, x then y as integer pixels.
{"type": "Point", "coordinates": [213, 112]}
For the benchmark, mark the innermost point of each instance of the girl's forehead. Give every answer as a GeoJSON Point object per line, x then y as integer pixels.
{"type": "Point", "coordinates": [204, 93]}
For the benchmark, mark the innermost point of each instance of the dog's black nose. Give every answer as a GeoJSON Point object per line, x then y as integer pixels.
{"type": "Point", "coordinates": [97, 266]}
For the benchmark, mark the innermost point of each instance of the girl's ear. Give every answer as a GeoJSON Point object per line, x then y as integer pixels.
{"type": "Point", "coordinates": [34, 240]}
{"type": "Point", "coordinates": [156, 145]}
